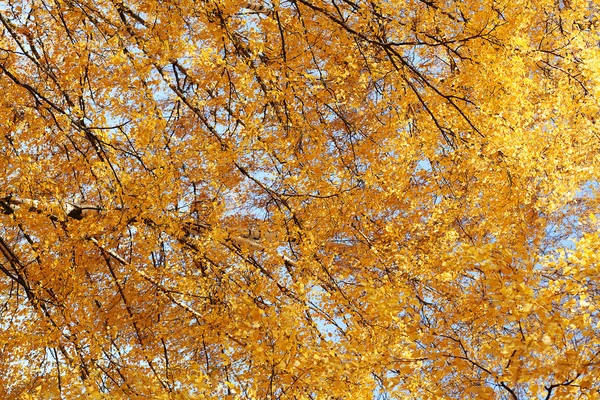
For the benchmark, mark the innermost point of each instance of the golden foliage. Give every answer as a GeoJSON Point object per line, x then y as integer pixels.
{"type": "Point", "coordinates": [299, 199]}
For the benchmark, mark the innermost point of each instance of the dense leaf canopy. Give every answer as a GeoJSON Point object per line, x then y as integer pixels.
{"type": "Point", "coordinates": [299, 199]}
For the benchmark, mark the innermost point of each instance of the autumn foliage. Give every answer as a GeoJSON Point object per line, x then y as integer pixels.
{"type": "Point", "coordinates": [299, 199]}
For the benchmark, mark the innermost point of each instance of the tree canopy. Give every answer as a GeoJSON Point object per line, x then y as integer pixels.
{"type": "Point", "coordinates": [299, 199]}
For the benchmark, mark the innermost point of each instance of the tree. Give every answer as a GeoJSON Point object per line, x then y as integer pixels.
{"type": "Point", "coordinates": [299, 199]}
